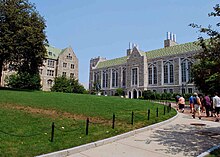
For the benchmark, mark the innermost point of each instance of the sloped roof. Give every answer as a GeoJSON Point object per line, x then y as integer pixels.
{"type": "Point", "coordinates": [167, 51]}
{"type": "Point", "coordinates": [172, 50]}
{"type": "Point", "coordinates": [55, 52]}
{"type": "Point", "coordinates": [112, 62]}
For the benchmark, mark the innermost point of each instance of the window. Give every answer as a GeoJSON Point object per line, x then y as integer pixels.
{"type": "Point", "coordinates": [49, 83]}
{"type": "Point", "coordinates": [105, 79]}
{"type": "Point", "coordinates": [152, 74]}
{"type": "Point", "coordinates": [41, 71]}
{"type": "Point", "coordinates": [64, 74]}
{"type": "Point", "coordinates": [165, 90]}
{"type": "Point", "coordinates": [124, 77]}
{"type": "Point", "coordinates": [50, 53]}
{"type": "Point", "coordinates": [71, 75]}
{"type": "Point", "coordinates": [190, 90]}
{"type": "Point", "coordinates": [96, 78]}
{"type": "Point", "coordinates": [69, 57]}
{"type": "Point", "coordinates": [64, 65]}
{"type": "Point", "coordinates": [186, 70]}
{"type": "Point", "coordinates": [114, 78]}
{"type": "Point", "coordinates": [171, 90]}
{"type": "Point", "coordinates": [50, 72]}
{"type": "Point", "coordinates": [50, 63]}
{"type": "Point", "coordinates": [72, 66]}
{"type": "Point", "coordinates": [134, 76]}
{"type": "Point", "coordinates": [168, 72]}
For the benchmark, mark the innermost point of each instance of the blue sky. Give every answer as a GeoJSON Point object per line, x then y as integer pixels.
{"type": "Point", "coordinates": [104, 28]}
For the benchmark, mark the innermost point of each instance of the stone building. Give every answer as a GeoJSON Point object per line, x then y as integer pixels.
{"type": "Point", "coordinates": [162, 70]}
{"type": "Point", "coordinates": [59, 62]}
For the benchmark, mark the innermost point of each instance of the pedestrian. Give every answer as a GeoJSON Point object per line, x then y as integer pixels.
{"type": "Point", "coordinates": [191, 104]}
{"type": "Point", "coordinates": [197, 106]}
{"type": "Point", "coordinates": [181, 104]}
{"type": "Point", "coordinates": [202, 107]}
{"type": "Point", "coordinates": [216, 105]}
{"type": "Point", "coordinates": [207, 104]}
{"type": "Point", "coordinates": [177, 99]}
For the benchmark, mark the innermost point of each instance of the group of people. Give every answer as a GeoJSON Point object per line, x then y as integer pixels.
{"type": "Point", "coordinates": [200, 103]}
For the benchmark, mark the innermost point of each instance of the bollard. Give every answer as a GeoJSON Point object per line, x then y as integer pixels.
{"type": "Point", "coordinates": [52, 133]}
{"type": "Point", "coordinates": [87, 126]}
{"type": "Point", "coordinates": [157, 112]}
{"type": "Point", "coordinates": [148, 114]}
{"type": "Point", "coordinates": [132, 118]}
{"type": "Point", "coordinates": [164, 110]}
{"type": "Point", "coordinates": [170, 106]}
{"type": "Point", "coordinates": [113, 121]}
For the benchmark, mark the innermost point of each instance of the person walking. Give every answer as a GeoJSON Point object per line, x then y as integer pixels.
{"type": "Point", "coordinates": [207, 103]}
{"type": "Point", "coordinates": [191, 104]}
{"type": "Point", "coordinates": [197, 106]}
{"type": "Point", "coordinates": [181, 104]}
{"type": "Point", "coordinates": [216, 105]}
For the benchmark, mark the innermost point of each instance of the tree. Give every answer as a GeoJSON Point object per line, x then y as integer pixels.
{"type": "Point", "coordinates": [63, 84]}
{"type": "Point", "coordinates": [206, 72]}
{"type": "Point", "coordinates": [22, 36]}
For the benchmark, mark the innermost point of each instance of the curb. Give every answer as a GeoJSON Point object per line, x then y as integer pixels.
{"type": "Point", "coordinates": [84, 147]}
{"type": "Point", "coordinates": [209, 151]}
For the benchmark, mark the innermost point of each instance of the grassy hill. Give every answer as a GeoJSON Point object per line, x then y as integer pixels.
{"type": "Point", "coordinates": [26, 118]}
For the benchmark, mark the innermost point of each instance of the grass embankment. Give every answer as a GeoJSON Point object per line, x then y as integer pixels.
{"type": "Point", "coordinates": [26, 118]}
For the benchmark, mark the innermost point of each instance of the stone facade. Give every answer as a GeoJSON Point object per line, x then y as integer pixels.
{"type": "Point", "coordinates": [57, 63]}
{"type": "Point", "coordinates": [161, 70]}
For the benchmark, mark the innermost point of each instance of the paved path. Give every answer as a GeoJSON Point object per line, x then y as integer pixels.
{"type": "Point", "coordinates": [181, 137]}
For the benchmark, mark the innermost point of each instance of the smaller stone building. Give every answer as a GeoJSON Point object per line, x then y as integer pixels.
{"type": "Point", "coordinates": [59, 62]}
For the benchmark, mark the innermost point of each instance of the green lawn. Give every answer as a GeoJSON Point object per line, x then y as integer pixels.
{"type": "Point", "coordinates": [26, 119]}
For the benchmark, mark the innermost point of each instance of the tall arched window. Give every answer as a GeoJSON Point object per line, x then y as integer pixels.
{"type": "Point", "coordinates": [105, 79]}
{"type": "Point", "coordinates": [168, 72]}
{"type": "Point", "coordinates": [152, 74]}
{"type": "Point", "coordinates": [186, 70]}
{"type": "Point", "coordinates": [124, 77]}
{"type": "Point", "coordinates": [114, 78]}
{"type": "Point", "coordinates": [97, 79]}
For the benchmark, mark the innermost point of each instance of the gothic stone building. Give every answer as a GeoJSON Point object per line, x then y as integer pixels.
{"type": "Point", "coordinates": [162, 70]}
{"type": "Point", "coordinates": [59, 62]}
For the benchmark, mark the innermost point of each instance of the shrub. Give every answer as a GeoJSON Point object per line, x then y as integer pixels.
{"type": "Point", "coordinates": [23, 81]}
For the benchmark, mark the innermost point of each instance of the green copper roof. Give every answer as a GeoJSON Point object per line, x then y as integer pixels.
{"type": "Point", "coordinates": [172, 50]}
{"type": "Point", "coordinates": [53, 52]}
{"type": "Point", "coordinates": [167, 51]}
{"type": "Point", "coordinates": [112, 62]}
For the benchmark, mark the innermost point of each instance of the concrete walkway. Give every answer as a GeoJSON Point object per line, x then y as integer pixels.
{"type": "Point", "coordinates": [183, 136]}
{"type": "Point", "coordinates": [180, 136]}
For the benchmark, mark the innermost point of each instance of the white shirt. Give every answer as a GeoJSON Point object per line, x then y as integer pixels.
{"type": "Point", "coordinates": [216, 101]}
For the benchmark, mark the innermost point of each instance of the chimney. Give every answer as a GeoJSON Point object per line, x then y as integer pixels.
{"type": "Point", "coordinates": [171, 40]}
{"type": "Point", "coordinates": [129, 50]}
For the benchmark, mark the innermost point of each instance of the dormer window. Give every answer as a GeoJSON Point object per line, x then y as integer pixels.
{"type": "Point", "coordinates": [50, 53]}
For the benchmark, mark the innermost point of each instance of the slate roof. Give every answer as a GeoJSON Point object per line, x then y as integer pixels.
{"type": "Point", "coordinates": [172, 50]}
{"type": "Point", "coordinates": [112, 62]}
{"type": "Point", "coordinates": [55, 52]}
{"type": "Point", "coordinates": [167, 51]}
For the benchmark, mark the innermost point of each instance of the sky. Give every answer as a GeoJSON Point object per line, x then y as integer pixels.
{"type": "Point", "coordinates": [105, 27]}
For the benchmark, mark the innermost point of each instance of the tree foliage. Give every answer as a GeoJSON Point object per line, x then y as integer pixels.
{"type": "Point", "coordinates": [24, 81]}
{"type": "Point", "coordinates": [206, 72]}
{"type": "Point", "coordinates": [22, 36]}
{"type": "Point", "coordinates": [63, 84]}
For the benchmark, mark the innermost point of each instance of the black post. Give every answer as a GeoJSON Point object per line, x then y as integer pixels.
{"type": "Point", "coordinates": [87, 126]}
{"type": "Point", "coordinates": [169, 106]}
{"type": "Point", "coordinates": [164, 110]}
{"type": "Point", "coordinates": [132, 118]}
{"type": "Point", "coordinates": [157, 112]}
{"type": "Point", "coordinates": [52, 133]}
{"type": "Point", "coordinates": [148, 114]}
{"type": "Point", "coordinates": [113, 121]}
